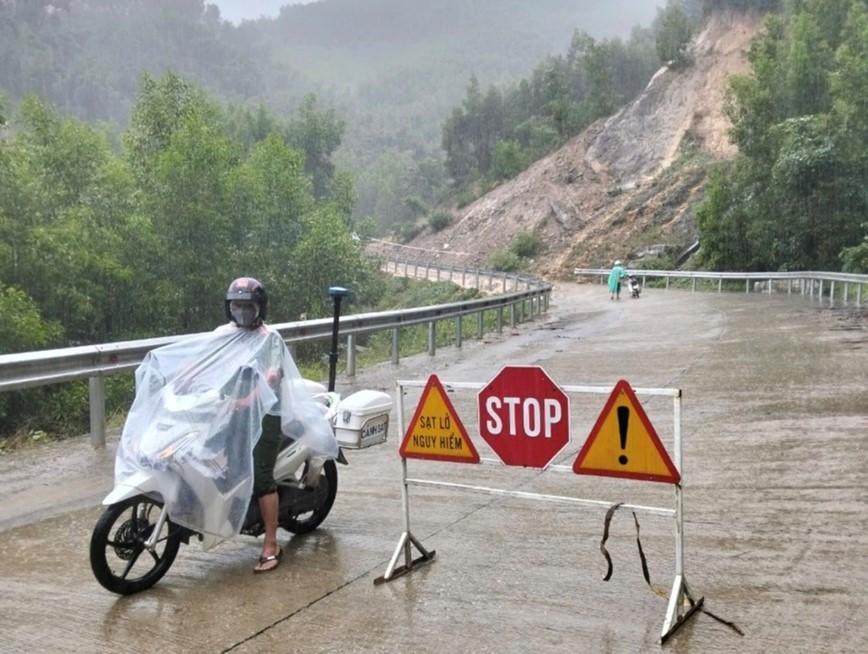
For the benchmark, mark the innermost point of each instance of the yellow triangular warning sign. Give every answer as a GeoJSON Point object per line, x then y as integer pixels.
{"type": "Point", "coordinates": [623, 443]}
{"type": "Point", "coordinates": [435, 431]}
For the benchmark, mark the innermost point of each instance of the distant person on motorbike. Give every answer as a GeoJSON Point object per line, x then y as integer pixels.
{"type": "Point", "coordinates": [246, 307]}
{"type": "Point", "coordinates": [615, 276]}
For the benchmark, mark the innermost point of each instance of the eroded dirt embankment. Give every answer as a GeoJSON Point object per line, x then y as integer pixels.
{"type": "Point", "coordinates": [612, 191]}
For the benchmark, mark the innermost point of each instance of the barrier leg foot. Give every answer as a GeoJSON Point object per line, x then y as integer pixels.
{"type": "Point", "coordinates": [410, 563]}
{"type": "Point", "coordinates": [678, 599]}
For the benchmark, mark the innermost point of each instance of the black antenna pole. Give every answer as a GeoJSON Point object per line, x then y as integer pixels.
{"type": "Point", "coordinates": [337, 294]}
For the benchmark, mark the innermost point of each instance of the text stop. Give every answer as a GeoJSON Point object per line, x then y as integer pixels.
{"type": "Point", "coordinates": [527, 416]}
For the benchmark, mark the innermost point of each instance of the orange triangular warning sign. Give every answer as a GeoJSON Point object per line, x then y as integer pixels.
{"type": "Point", "coordinates": [435, 431]}
{"type": "Point", "coordinates": [623, 443]}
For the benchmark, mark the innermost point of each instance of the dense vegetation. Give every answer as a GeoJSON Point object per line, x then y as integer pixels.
{"type": "Point", "coordinates": [392, 68]}
{"type": "Point", "coordinates": [501, 132]}
{"type": "Point", "coordinates": [98, 246]}
{"type": "Point", "coordinates": [143, 242]}
{"type": "Point", "coordinates": [796, 196]}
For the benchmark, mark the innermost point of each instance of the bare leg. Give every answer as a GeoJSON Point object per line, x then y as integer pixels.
{"type": "Point", "coordinates": [268, 505]}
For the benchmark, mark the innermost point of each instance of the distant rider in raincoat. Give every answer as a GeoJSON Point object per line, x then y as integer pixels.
{"type": "Point", "coordinates": [615, 277]}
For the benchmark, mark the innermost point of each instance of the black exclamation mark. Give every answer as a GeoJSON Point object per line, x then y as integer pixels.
{"type": "Point", "coordinates": [623, 421]}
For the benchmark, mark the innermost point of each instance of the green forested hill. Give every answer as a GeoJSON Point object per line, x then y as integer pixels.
{"type": "Point", "coordinates": [352, 42]}
{"type": "Point", "coordinates": [86, 56]}
{"type": "Point", "coordinates": [393, 69]}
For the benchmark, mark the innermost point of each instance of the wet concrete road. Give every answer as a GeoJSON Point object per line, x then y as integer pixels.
{"type": "Point", "coordinates": [775, 431]}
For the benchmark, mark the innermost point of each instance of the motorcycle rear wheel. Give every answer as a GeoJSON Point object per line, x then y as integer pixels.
{"type": "Point", "coordinates": [118, 543]}
{"type": "Point", "coordinates": [302, 523]}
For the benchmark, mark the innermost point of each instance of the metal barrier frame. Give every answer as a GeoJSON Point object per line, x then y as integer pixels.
{"type": "Point", "coordinates": [681, 605]}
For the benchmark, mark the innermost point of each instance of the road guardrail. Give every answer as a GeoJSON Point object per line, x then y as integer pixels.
{"type": "Point", "coordinates": [527, 299]}
{"type": "Point", "coordinates": [836, 287]}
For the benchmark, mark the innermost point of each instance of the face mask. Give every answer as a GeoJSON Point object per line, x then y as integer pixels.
{"type": "Point", "coordinates": [244, 315]}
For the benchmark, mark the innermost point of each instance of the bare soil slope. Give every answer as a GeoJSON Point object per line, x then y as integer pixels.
{"type": "Point", "coordinates": [626, 187]}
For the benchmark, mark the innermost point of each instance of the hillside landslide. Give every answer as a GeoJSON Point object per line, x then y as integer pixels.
{"type": "Point", "coordinates": [626, 188]}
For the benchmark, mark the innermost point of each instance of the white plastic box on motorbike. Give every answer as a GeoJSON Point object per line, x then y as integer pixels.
{"type": "Point", "coordinates": [362, 419]}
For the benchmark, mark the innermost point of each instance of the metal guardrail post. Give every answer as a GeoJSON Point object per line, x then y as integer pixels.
{"type": "Point", "coordinates": [499, 320]}
{"type": "Point", "coordinates": [432, 338]}
{"type": "Point", "coordinates": [396, 346]}
{"type": "Point", "coordinates": [351, 355]}
{"type": "Point", "coordinates": [459, 326]}
{"type": "Point", "coordinates": [97, 411]}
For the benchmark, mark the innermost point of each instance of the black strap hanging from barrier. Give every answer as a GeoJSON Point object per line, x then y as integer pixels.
{"type": "Point", "coordinates": [606, 523]}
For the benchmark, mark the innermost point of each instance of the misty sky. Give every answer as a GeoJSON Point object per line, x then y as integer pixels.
{"type": "Point", "coordinates": [236, 10]}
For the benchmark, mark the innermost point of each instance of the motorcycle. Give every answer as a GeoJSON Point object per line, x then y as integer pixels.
{"type": "Point", "coordinates": [136, 539]}
{"type": "Point", "coordinates": [183, 469]}
{"type": "Point", "coordinates": [635, 289]}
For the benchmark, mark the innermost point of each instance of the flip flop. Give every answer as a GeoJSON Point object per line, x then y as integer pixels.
{"type": "Point", "coordinates": [268, 559]}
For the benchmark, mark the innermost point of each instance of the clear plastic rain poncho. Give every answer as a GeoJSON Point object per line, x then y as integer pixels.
{"type": "Point", "coordinates": [198, 413]}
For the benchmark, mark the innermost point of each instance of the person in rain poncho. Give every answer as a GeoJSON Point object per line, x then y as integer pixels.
{"type": "Point", "coordinates": [618, 273]}
{"type": "Point", "coordinates": [245, 377]}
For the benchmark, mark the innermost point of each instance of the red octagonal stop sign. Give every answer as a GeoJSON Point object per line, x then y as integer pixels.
{"type": "Point", "coordinates": [524, 416]}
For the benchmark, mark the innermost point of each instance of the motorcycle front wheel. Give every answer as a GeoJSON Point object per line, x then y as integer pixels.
{"type": "Point", "coordinates": [317, 502]}
{"type": "Point", "coordinates": [118, 557]}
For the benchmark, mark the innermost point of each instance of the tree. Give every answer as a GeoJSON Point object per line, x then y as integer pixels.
{"type": "Point", "coordinates": [190, 213]}
{"type": "Point", "coordinates": [457, 143]}
{"type": "Point", "coordinates": [270, 200]}
{"type": "Point", "coordinates": [509, 160]}
{"type": "Point", "coordinates": [602, 98]}
{"type": "Point", "coordinates": [327, 256]}
{"type": "Point", "coordinates": [317, 134]}
{"type": "Point", "coordinates": [160, 110]}
{"type": "Point", "coordinates": [66, 221]}
{"type": "Point", "coordinates": [674, 33]}
{"type": "Point", "coordinates": [855, 259]}
{"type": "Point", "coordinates": [22, 328]}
